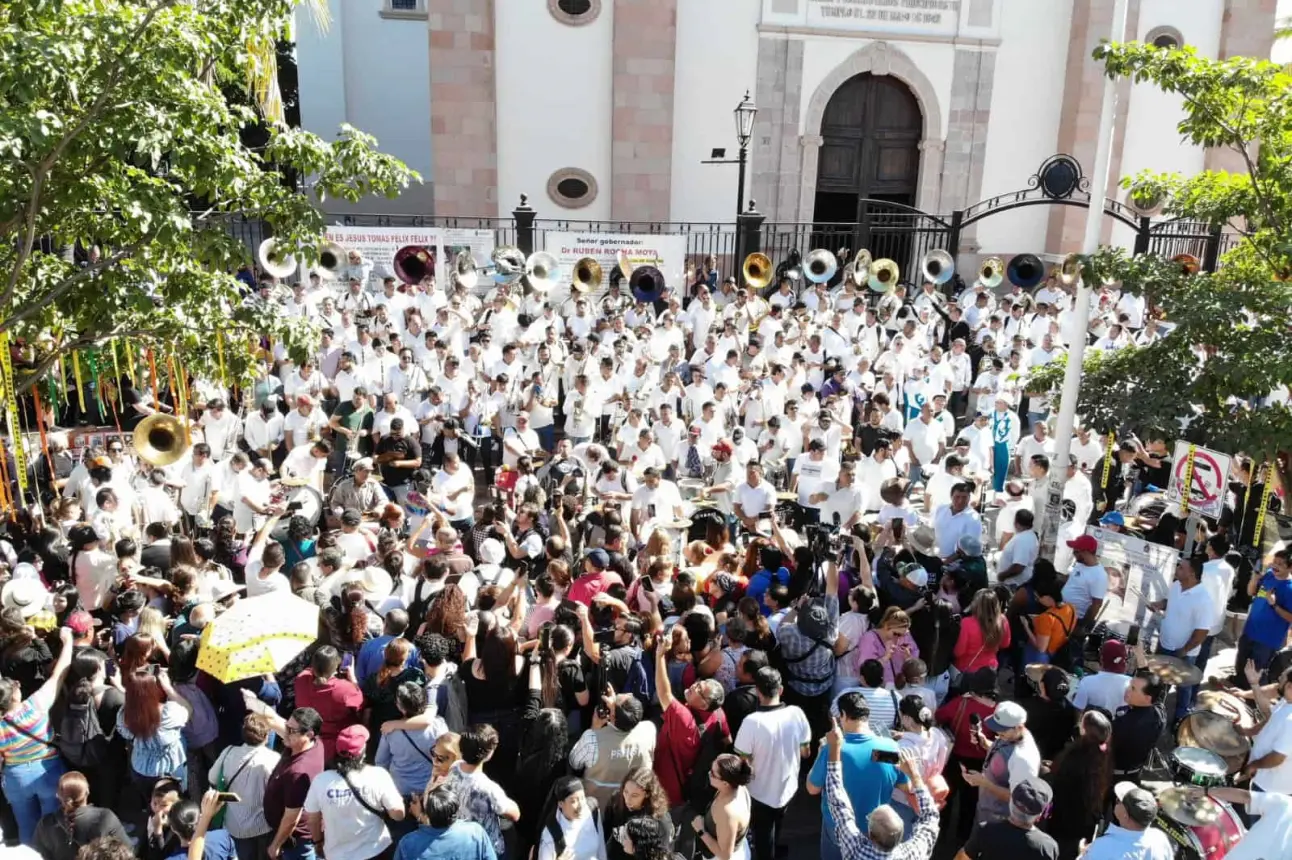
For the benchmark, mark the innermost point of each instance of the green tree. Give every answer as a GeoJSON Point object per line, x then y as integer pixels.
{"type": "Point", "coordinates": [1229, 345]}
{"type": "Point", "coordinates": [115, 136]}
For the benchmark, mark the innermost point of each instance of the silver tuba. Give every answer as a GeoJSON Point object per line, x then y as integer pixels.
{"type": "Point", "coordinates": [275, 260]}
{"type": "Point", "coordinates": [820, 266]}
{"type": "Point", "coordinates": [542, 271]}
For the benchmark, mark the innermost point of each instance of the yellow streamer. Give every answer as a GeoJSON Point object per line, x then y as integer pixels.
{"type": "Point", "coordinates": [116, 370]}
{"type": "Point", "coordinates": [1265, 506]}
{"type": "Point", "coordinates": [15, 429]}
{"type": "Point", "coordinates": [219, 351]}
{"type": "Point", "coordinates": [80, 387]}
{"type": "Point", "coordinates": [1188, 480]}
{"type": "Point", "coordinates": [1108, 459]}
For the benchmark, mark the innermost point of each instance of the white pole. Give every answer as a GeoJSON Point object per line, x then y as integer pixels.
{"type": "Point", "coordinates": [1077, 348]}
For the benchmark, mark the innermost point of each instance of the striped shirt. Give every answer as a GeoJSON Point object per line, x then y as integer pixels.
{"type": "Point", "coordinates": [32, 717]}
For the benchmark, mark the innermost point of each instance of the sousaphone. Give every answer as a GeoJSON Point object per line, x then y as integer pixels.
{"type": "Point", "coordinates": [647, 284]}
{"type": "Point", "coordinates": [938, 266]}
{"type": "Point", "coordinates": [757, 270]}
{"type": "Point", "coordinates": [586, 276]}
{"type": "Point", "coordinates": [508, 264]}
{"type": "Point", "coordinates": [1026, 271]}
{"type": "Point", "coordinates": [857, 272]}
{"type": "Point", "coordinates": [542, 271]}
{"type": "Point", "coordinates": [159, 440]}
{"type": "Point", "coordinates": [992, 272]}
{"type": "Point", "coordinates": [884, 275]}
{"type": "Point", "coordinates": [332, 258]}
{"type": "Point", "coordinates": [413, 263]}
{"type": "Point", "coordinates": [1188, 263]}
{"type": "Point", "coordinates": [275, 260]}
{"type": "Point", "coordinates": [465, 271]}
{"type": "Point", "coordinates": [1070, 269]}
{"type": "Point", "coordinates": [820, 266]}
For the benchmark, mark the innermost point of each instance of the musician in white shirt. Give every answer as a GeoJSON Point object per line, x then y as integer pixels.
{"type": "Point", "coordinates": [304, 423]}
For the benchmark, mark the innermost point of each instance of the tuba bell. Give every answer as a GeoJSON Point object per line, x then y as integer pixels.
{"type": "Point", "coordinates": [508, 264]}
{"type": "Point", "coordinates": [413, 263]}
{"type": "Point", "coordinates": [1026, 271]}
{"type": "Point", "coordinates": [857, 271]}
{"type": "Point", "coordinates": [159, 440]}
{"type": "Point", "coordinates": [332, 258]}
{"type": "Point", "coordinates": [992, 272]}
{"type": "Point", "coordinates": [1070, 269]}
{"type": "Point", "coordinates": [275, 260]}
{"type": "Point", "coordinates": [465, 271]}
{"type": "Point", "coordinates": [542, 271]}
{"type": "Point", "coordinates": [586, 275]}
{"type": "Point", "coordinates": [820, 266]}
{"type": "Point", "coordinates": [625, 266]}
{"type": "Point", "coordinates": [1188, 263]}
{"type": "Point", "coordinates": [647, 284]}
{"type": "Point", "coordinates": [757, 270]}
{"type": "Point", "coordinates": [883, 276]}
{"type": "Point", "coordinates": [938, 266]}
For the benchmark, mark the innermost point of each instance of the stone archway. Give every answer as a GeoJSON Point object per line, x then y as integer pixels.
{"type": "Point", "coordinates": [877, 58]}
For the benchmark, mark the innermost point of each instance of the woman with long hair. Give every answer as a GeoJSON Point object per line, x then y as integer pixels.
{"type": "Point", "coordinates": [563, 684]}
{"type": "Point", "coordinates": [230, 551]}
{"type": "Point", "coordinates": [494, 689]}
{"type": "Point", "coordinates": [853, 624]}
{"type": "Point", "coordinates": [1081, 777]}
{"type": "Point", "coordinates": [136, 652]}
{"type": "Point", "coordinates": [85, 696]}
{"type": "Point", "coordinates": [60, 835]}
{"type": "Point", "coordinates": [984, 632]}
{"type": "Point", "coordinates": [646, 839]}
{"type": "Point", "coordinates": [890, 642]}
{"type": "Point", "coordinates": [571, 824]}
{"type": "Point", "coordinates": [153, 719]}
{"type": "Point", "coordinates": [544, 745]}
{"type": "Point", "coordinates": [182, 553]}
{"type": "Point", "coordinates": [447, 616]}
{"type": "Point", "coordinates": [932, 747]}
{"type": "Point", "coordinates": [725, 824]}
{"type": "Point", "coordinates": [958, 715]}
{"type": "Point", "coordinates": [347, 806]}
{"type": "Point", "coordinates": [24, 656]}
{"type": "Point", "coordinates": [640, 796]}
{"type": "Point", "coordinates": [759, 636]}
{"type": "Point", "coordinates": [381, 689]}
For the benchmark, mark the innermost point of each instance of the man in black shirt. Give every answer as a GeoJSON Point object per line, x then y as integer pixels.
{"type": "Point", "coordinates": [398, 456]}
{"type": "Point", "coordinates": [743, 701]}
{"type": "Point", "coordinates": [1138, 726]}
{"type": "Point", "coordinates": [1107, 493]}
{"type": "Point", "coordinates": [1017, 837]}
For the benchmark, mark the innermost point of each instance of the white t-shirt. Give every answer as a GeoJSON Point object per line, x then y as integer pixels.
{"type": "Point", "coordinates": [1105, 690]}
{"type": "Point", "coordinates": [1085, 585]}
{"type": "Point", "coordinates": [772, 739]}
{"type": "Point", "coordinates": [924, 439]}
{"type": "Point", "coordinates": [664, 498]}
{"type": "Point", "coordinates": [813, 475]}
{"type": "Point", "coordinates": [1022, 549]}
{"type": "Point", "coordinates": [1270, 836]}
{"type": "Point", "coordinates": [1186, 611]}
{"type": "Point", "coordinates": [1218, 580]}
{"type": "Point", "coordinates": [353, 833]}
{"type": "Point", "coordinates": [1275, 736]}
{"type": "Point", "coordinates": [755, 501]}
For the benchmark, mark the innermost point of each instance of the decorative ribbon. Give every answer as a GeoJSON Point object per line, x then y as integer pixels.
{"type": "Point", "coordinates": [116, 371]}
{"type": "Point", "coordinates": [44, 436]}
{"type": "Point", "coordinates": [15, 429]}
{"type": "Point", "coordinates": [1188, 480]}
{"type": "Point", "coordinates": [152, 372]}
{"type": "Point", "coordinates": [1108, 459]}
{"type": "Point", "coordinates": [80, 382]}
{"type": "Point", "coordinates": [6, 503]}
{"type": "Point", "coordinates": [1265, 504]}
{"type": "Point", "coordinates": [219, 352]}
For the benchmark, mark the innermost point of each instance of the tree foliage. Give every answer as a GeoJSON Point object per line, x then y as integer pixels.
{"type": "Point", "coordinates": [115, 135]}
{"type": "Point", "coordinates": [1229, 348]}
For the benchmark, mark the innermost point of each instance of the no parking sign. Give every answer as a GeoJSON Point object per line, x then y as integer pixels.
{"type": "Point", "coordinates": [1206, 472]}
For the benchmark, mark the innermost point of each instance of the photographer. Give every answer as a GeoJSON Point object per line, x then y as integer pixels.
{"type": "Point", "coordinates": [810, 641]}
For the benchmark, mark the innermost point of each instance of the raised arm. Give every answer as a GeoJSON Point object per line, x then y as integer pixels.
{"type": "Point", "coordinates": [663, 691]}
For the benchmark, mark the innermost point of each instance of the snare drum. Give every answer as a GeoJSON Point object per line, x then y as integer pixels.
{"type": "Point", "coordinates": [1199, 828]}
{"type": "Point", "coordinates": [1210, 726]}
{"type": "Point", "coordinates": [1197, 766]}
{"type": "Point", "coordinates": [310, 503]}
{"type": "Point", "coordinates": [689, 488]}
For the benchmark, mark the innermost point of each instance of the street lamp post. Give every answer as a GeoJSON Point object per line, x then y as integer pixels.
{"type": "Point", "coordinates": [744, 113]}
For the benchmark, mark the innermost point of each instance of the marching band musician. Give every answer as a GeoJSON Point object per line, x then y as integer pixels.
{"type": "Point", "coordinates": [1004, 427]}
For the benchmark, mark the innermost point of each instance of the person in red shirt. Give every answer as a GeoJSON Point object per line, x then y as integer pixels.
{"type": "Point", "coordinates": [687, 729]}
{"type": "Point", "coordinates": [596, 578]}
{"type": "Point", "coordinates": [337, 700]}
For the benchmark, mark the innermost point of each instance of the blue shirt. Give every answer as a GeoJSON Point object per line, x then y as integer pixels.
{"type": "Point", "coordinates": [1122, 844]}
{"type": "Point", "coordinates": [218, 846]}
{"type": "Point", "coordinates": [868, 784]}
{"type": "Point", "coordinates": [761, 581]}
{"type": "Point", "coordinates": [1264, 624]}
{"type": "Point", "coordinates": [462, 840]}
{"type": "Point", "coordinates": [373, 653]}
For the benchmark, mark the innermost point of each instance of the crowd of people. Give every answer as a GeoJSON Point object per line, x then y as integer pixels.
{"type": "Point", "coordinates": [604, 577]}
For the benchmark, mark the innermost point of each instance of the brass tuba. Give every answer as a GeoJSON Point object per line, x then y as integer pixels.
{"type": "Point", "coordinates": [857, 272]}
{"type": "Point", "coordinates": [1188, 263]}
{"type": "Point", "coordinates": [884, 275]}
{"type": "Point", "coordinates": [159, 440]}
{"type": "Point", "coordinates": [757, 270]}
{"type": "Point", "coordinates": [464, 270]}
{"type": "Point", "coordinates": [586, 275]}
{"type": "Point", "coordinates": [992, 272]}
{"type": "Point", "coordinates": [1070, 269]}
{"type": "Point", "coordinates": [820, 266]}
{"type": "Point", "coordinates": [938, 266]}
{"type": "Point", "coordinates": [332, 258]}
{"type": "Point", "coordinates": [275, 260]}
{"type": "Point", "coordinates": [1026, 271]}
{"type": "Point", "coordinates": [647, 284]}
{"type": "Point", "coordinates": [413, 263]}
{"type": "Point", "coordinates": [508, 264]}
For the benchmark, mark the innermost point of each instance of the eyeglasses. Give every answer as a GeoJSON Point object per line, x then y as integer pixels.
{"type": "Point", "coordinates": [295, 730]}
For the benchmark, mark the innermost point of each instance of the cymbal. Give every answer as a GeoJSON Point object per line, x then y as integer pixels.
{"type": "Point", "coordinates": [1173, 670]}
{"type": "Point", "coordinates": [682, 523]}
{"type": "Point", "coordinates": [1188, 806]}
{"type": "Point", "coordinates": [703, 503]}
{"type": "Point", "coordinates": [787, 497]}
{"type": "Point", "coordinates": [294, 482]}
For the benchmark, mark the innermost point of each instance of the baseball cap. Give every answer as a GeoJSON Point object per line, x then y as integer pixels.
{"type": "Point", "coordinates": [1031, 797]}
{"type": "Point", "coordinates": [598, 558]}
{"type": "Point", "coordinates": [1141, 806]}
{"type": "Point", "coordinates": [1084, 543]}
{"type": "Point", "coordinates": [915, 575]}
{"type": "Point", "coordinates": [814, 622]}
{"type": "Point", "coordinates": [1112, 518]}
{"type": "Point", "coordinates": [969, 545]}
{"type": "Point", "coordinates": [352, 740]}
{"type": "Point", "coordinates": [1112, 655]}
{"type": "Point", "coordinates": [1008, 715]}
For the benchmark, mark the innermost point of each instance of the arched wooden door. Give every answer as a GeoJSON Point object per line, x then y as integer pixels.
{"type": "Point", "coordinates": [872, 128]}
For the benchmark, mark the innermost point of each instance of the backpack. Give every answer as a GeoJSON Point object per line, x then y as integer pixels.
{"type": "Point", "coordinates": [80, 737]}
{"type": "Point", "coordinates": [455, 712]}
{"type": "Point", "coordinates": [638, 682]}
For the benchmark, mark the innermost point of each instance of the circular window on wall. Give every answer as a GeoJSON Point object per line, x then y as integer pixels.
{"type": "Point", "coordinates": [1164, 37]}
{"type": "Point", "coordinates": [576, 13]}
{"type": "Point", "coordinates": [572, 188]}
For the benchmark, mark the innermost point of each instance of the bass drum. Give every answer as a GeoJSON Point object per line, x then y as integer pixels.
{"type": "Point", "coordinates": [1199, 828]}
{"type": "Point", "coordinates": [304, 502]}
{"type": "Point", "coordinates": [701, 519]}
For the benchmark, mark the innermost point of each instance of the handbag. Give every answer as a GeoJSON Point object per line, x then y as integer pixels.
{"type": "Point", "coordinates": [220, 785]}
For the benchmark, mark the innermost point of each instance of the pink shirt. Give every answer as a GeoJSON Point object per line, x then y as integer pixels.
{"type": "Point", "coordinates": [588, 586]}
{"type": "Point", "coordinates": [872, 647]}
{"type": "Point", "coordinates": [971, 652]}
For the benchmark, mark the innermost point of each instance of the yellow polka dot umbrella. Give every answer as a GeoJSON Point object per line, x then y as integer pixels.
{"type": "Point", "coordinates": [258, 636]}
